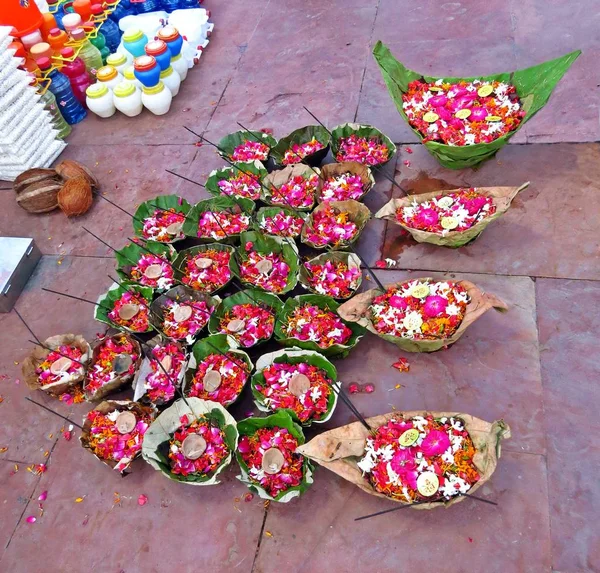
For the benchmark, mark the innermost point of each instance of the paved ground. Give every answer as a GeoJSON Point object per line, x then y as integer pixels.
{"type": "Point", "coordinates": [536, 366]}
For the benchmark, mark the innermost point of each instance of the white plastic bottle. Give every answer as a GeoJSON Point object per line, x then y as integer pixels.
{"type": "Point", "coordinates": [99, 100]}
{"type": "Point", "coordinates": [180, 66]}
{"type": "Point", "coordinates": [109, 77]}
{"type": "Point", "coordinates": [171, 79]}
{"type": "Point", "coordinates": [157, 99]}
{"type": "Point", "coordinates": [129, 75]}
{"type": "Point", "coordinates": [118, 61]}
{"type": "Point", "coordinates": [128, 99]}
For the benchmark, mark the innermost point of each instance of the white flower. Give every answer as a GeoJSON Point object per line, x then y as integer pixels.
{"type": "Point", "coordinates": [394, 477]}
{"type": "Point", "coordinates": [448, 456]}
{"type": "Point", "coordinates": [452, 310]}
{"type": "Point", "coordinates": [315, 394]}
{"type": "Point", "coordinates": [386, 452]}
{"type": "Point", "coordinates": [368, 461]}
{"type": "Point", "coordinates": [391, 262]}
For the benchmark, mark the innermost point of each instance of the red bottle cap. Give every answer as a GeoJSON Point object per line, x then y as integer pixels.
{"type": "Point", "coordinates": [143, 63]}
{"type": "Point", "coordinates": [44, 63]}
{"type": "Point", "coordinates": [54, 32]}
{"type": "Point", "coordinates": [67, 52]}
{"type": "Point", "coordinates": [156, 48]}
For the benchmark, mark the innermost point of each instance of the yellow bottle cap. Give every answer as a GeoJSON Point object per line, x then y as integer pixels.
{"type": "Point", "coordinates": [128, 73]}
{"type": "Point", "coordinates": [132, 35]}
{"type": "Point", "coordinates": [159, 87]}
{"type": "Point", "coordinates": [106, 73]}
{"type": "Point", "coordinates": [96, 90]}
{"type": "Point", "coordinates": [116, 59]}
{"type": "Point", "coordinates": [123, 89]}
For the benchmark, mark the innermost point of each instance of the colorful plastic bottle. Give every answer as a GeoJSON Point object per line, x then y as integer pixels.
{"type": "Point", "coordinates": [99, 42]}
{"type": "Point", "coordinates": [31, 39]}
{"type": "Point", "coordinates": [89, 54]}
{"type": "Point", "coordinates": [171, 5]}
{"type": "Point", "coordinates": [76, 72]}
{"type": "Point", "coordinates": [99, 100]}
{"type": "Point", "coordinates": [190, 4]}
{"type": "Point", "coordinates": [146, 70]}
{"type": "Point", "coordinates": [122, 9]}
{"type": "Point", "coordinates": [109, 77]}
{"type": "Point", "coordinates": [170, 36]}
{"type": "Point", "coordinates": [157, 99]}
{"type": "Point", "coordinates": [83, 8]}
{"type": "Point", "coordinates": [109, 29]}
{"type": "Point", "coordinates": [147, 6]}
{"type": "Point", "coordinates": [41, 50]}
{"type": "Point", "coordinates": [48, 100]}
{"type": "Point", "coordinates": [129, 75]}
{"type": "Point", "coordinates": [171, 79]}
{"type": "Point", "coordinates": [134, 41]}
{"type": "Point", "coordinates": [71, 21]}
{"type": "Point", "coordinates": [128, 99]}
{"type": "Point", "coordinates": [69, 105]}
{"type": "Point", "coordinates": [58, 13]}
{"type": "Point", "coordinates": [48, 23]}
{"type": "Point", "coordinates": [159, 51]}
{"type": "Point", "coordinates": [57, 39]}
{"type": "Point", "coordinates": [118, 61]}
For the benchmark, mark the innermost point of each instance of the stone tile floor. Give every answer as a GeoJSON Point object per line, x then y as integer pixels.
{"type": "Point", "coordinates": [536, 366]}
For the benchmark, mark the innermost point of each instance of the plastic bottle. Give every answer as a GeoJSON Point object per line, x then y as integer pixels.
{"type": "Point", "coordinates": [100, 100]}
{"type": "Point", "coordinates": [48, 23]}
{"type": "Point", "coordinates": [58, 13]}
{"type": "Point", "coordinates": [76, 72]}
{"type": "Point", "coordinates": [41, 50]}
{"type": "Point", "coordinates": [129, 75]}
{"type": "Point", "coordinates": [122, 9]}
{"type": "Point", "coordinates": [148, 6]}
{"type": "Point", "coordinates": [170, 36]}
{"type": "Point", "coordinates": [190, 4]}
{"type": "Point", "coordinates": [58, 121]}
{"type": "Point", "coordinates": [71, 21]}
{"type": "Point", "coordinates": [118, 61]}
{"type": "Point", "coordinates": [109, 29]}
{"type": "Point", "coordinates": [146, 70]}
{"type": "Point", "coordinates": [89, 54]}
{"type": "Point", "coordinates": [108, 76]}
{"type": "Point", "coordinates": [128, 99]}
{"type": "Point", "coordinates": [31, 39]}
{"type": "Point", "coordinates": [57, 39]}
{"type": "Point", "coordinates": [171, 5]}
{"type": "Point", "coordinates": [134, 41]}
{"type": "Point", "coordinates": [69, 105]}
{"type": "Point", "coordinates": [171, 79]}
{"type": "Point", "coordinates": [159, 51]}
{"type": "Point", "coordinates": [83, 8]}
{"type": "Point", "coordinates": [157, 99]}
{"type": "Point", "coordinates": [99, 42]}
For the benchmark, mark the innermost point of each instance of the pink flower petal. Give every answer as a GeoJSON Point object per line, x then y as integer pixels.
{"type": "Point", "coordinates": [43, 496]}
{"type": "Point", "coordinates": [142, 500]}
{"type": "Point", "coordinates": [31, 519]}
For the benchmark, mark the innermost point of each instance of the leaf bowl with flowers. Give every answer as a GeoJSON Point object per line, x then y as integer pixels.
{"type": "Point", "coordinates": [205, 268]}
{"type": "Point", "coordinates": [336, 274]}
{"type": "Point", "coordinates": [281, 221]}
{"type": "Point", "coordinates": [241, 181]}
{"type": "Point", "coordinates": [295, 186]}
{"type": "Point", "coordinates": [161, 219]}
{"type": "Point", "coordinates": [361, 143]}
{"type": "Point", "coordinates": [247, 146]}
{"type": "Point", "coordinates": [345, 180]}
{"type": "Point", "coordinates": [126, 306]}
{"type": "Point", "coordinates": [147, 264]}
{"type": "Point", "coordinates": [308, 144]}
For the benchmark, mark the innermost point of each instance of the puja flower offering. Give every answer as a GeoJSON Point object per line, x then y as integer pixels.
{"type": "Point", "coordinates": [59, 367]}
{"type": "Point", "coordinates": [205, 269]}
{"type": "Point", "coordinates": [243, 181]}
{"type": "Point", "coordinates": [160, 374]}
{"type": "Point", "coordinates": [245, 147]}
{"type": "Point", "coordinates": [449, 218]}
{"type": "Point", "coordinates": [153, 271]}
{"type": "Point", "coordinates": [281, 222]}
{"type": "Point", "coordinates": [219, 218]}
{"type": "Point", "coordinates": [299, 151]}
{"type": "Point", "coordinates": [463, 122]}
{"type": "Point", "coordinates": [115, 360]}
{"type": "Point", "coordinates": [269, 462]}
{"type": "Point", "coordinates": [184, 320]}
{"type": "Point", "coordinates": [300, 381]}
{"type": "Point", "coordinates": [368, 151]}
{"type": "Point", "coordinates": [425, 459]}
{"type": "Point", "coordinates": [130, 309]}
{"type": "Point", "coordinates": [294, 186]}
{"type": "Point", "coordinates": [420, 315]}
{"type": "Point", "coordinates": [266, 271]}
{"type": "Point", "coordinates": [342, 187]}
{"type": "Point", "coordinates": [161, 219]}
{"type": "Point", "coordinates": [335, 224]}
{"type": "Point", "coordinates": [241, 185]}
{"type": "Point", "coordinates": [248, 317]}
{"type": "Point", "coordinates": [337, 275]}
{"type": "Point", "coordinates": [192, 441]}
{"type": "Point", "coordinates": [114, 432]}
{"type": "Point", "coordinates": [308, 144]}
{"type": "Point", "coordinates": [463, 112]}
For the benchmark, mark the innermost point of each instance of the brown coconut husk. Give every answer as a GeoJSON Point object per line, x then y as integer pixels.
{"type": "Point", "coordinates": [340, 449]}
{"type": "Point", "coordinates": [39, 354]}
{"type": "Point", "coordinates": [357, 310]}
{"type": "Point", "coordinates": [118, 381]}
{"type": "Point", "coordinates": [502, 197]}
{"type": "Point", "coordinates": [336, 169]}
{"type": "Point", "coordinates": [107, 407]}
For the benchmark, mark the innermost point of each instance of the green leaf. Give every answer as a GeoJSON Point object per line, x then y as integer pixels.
{"type": "Point", "coordinates": [300, 136]}
{"type": "Point", "coordinates": [162, 202]}
{"type": "Point", "coordinates": [534, 87]}
{"type": "Point", "coordinates": [368, 131]}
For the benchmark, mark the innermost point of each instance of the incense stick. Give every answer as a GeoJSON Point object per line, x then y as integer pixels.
{"type": "Point", "coordinates": [53, 412]}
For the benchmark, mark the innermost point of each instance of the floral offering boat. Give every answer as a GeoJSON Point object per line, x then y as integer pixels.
{"type": "Point", "coordinates": [487, 135]}
{"type": "Point", "coordinates": [115, 360]}
{"type": "Point", "coordinates": [344, 181]}
{"type": "Point", "coordinates": [311, 322]}
{"type": "Point", "coordinates": [161, 372]}
{"type": "Point", "coordinates": [266, 262]}
{"type": "Point", "coordinates": [219, 219]}
{"type": "Point", "coordinates": [302, 382]}
{"type": "Point", "coordinates": [268, 458]}
{"type": "Point", "coordinates": [161, 219]}
{"type": "Point", "coordinates": [191, 442]}
{"type": "Point", "coordinates": [125, 307]}
{"type": "Point", "coordinates": [218, 370]}
{"type": "Point", "coordinates": [361, 143]}
{"type": "Point", "coordinates": [114, 432]}
{"type": "Point", "coordinates": [281, 221]}
{"type": "Point", "coordinates": [335, 224]}
{"type": "Point", "coordinates": [243, 181]}
{"type": "Point", "coordinates": [449, 218]}
{"type": "Point", "coordinates": [308, 145]}
{"type": "Point", "coordinates": [247, 316]}
{"type": "Point", "coordinates": [205, 268]}
{"type": "Point", "coordinates": [421, 315]}
{"type": "Point", "coordinates": [336, 274]}
{"type": "Point", "coordinates": [58, 367]}
{"type": "Point", "coordinates": [182, 313]}
{"type": "Point", "coordinates": [247, 146]}
{"type": "Point", "coordinates": [294, 186]}
{"type": "Point", "coordinates": [148, 265]}
{"type": "Point", "coordinates": [418, 458]}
